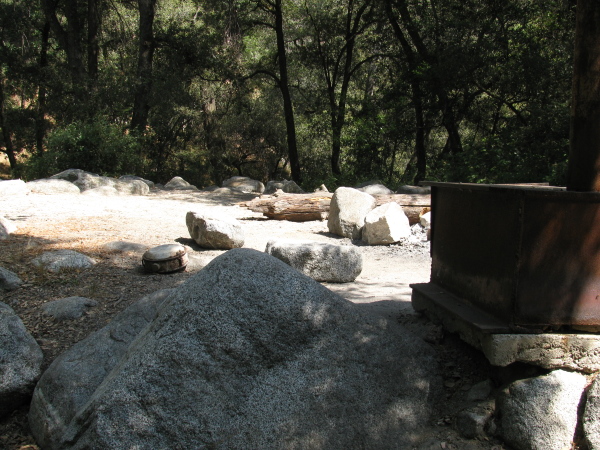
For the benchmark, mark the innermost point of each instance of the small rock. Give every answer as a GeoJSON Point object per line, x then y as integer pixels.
{"type": "Point", "coordinates": [7, 228]}
{"type": "Point", "coordinates": [320, 261]}
{"type": "Point", "coordinates": [472, 422]}
{"type": "Point", "coordinates": [124, 246]}
{"type": "Point", "coordinates": [218, 233]}
{"type": "Point", "coordinates": [480, 391]}
{"type": "Point", "coordinates": [9, 281]}
{"type": "Point", "coordinates": [541, 412]}
{"type": "Point", "coordinates": [57, 260]}
{"type": "Point", "coordinates": [68, 308]}
{"type": "Point", "coordinates": [426, 220]}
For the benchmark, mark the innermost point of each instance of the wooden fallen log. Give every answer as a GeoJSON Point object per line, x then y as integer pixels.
{"type": "Point", "coordinates": [315, 206]}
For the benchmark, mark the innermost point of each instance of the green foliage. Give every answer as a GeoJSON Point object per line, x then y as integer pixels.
{"type": "Point", "coordinates": [97, 147]}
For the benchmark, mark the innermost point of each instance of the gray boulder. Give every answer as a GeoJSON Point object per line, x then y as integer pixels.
{"type": "Point", "coordinates": [244, 184]}
{"type": "Point", "coordinates": [86, 180]}
{"type": "Point", "coordinates": [68, 308]}
{"type": "Point", "coordinates": [214, 232]}
{"type": "Point", "coordinates": [289, 187]}
{"type": "Point", "coordinates": [347, 212]}
{"type": "Point", "coordinates": [178, 183]}
{"type": "Point", "coordinates": [473, 421]}
{"type": "Point", "coordinates": [57, 260]}
{"type": "Point", "coordinates": [249, 353]}
{"type": "Point", "coordinates": [376, 189]}
{"type": "Point", "coordinates": [52, 186]}
{"type": "Point", "coordinates": [7, 228]}
{"type": "Point", "coordinates": [13, 187]}
{"type": "Point", "coordinates": [386, 224]}
{"type": "Point", "coordinates": [541, 413]}
{"type": "Point", "coordinates": [591, 416]}
{"type": "Point", "coordinates": [102, 191]}
{"type": "Point", "coordinates": [72, 378]}
{"type": "Point", "coordinates": [320, 261]}
{"type": "Point", "coordinates": [133, 177]}
{"type": "Point", "coordinates": [406, 189]}
{"type": "Point", "coordinates": [9, 281]}
{"type": "Point", "coordinates": [20, 362]}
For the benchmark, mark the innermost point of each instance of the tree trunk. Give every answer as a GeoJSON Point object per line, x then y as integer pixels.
{"type": "Point", "coordinates": [8, 145]}
{"type": "Point", "coordinates": [288, 108]}
{"type": "Point", "coordinates": [584, 155]}
{"type": "Point", "coordinates": [306, 207]}
{"type": "Point", "coordinates": [94, 18]}
{"type": "Point", "coordinates": [143, 88]}
{"type": "Point", "coordinates": [40, 120]}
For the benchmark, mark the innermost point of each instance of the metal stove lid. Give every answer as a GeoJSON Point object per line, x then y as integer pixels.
{"type": "Point", "coordinates": [164, 252]}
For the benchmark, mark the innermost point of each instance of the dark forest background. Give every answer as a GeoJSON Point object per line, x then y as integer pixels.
{"type": "Point", "coordinates": [319, 91]}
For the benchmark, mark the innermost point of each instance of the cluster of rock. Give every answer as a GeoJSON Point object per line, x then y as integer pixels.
{"type": "Point", "coordinates": [354, 214]}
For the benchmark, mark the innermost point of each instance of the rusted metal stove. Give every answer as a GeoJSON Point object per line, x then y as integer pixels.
{"type": "Point", "coordinates": [514, 259]}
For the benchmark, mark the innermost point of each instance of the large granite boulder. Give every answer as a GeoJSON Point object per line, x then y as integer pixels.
{"type": "Point", "coordinates": [20, 361]}
{"type": "Point", "coordinates": [86, 180]}
{"type": "Point", "coordinates": [214, 232]}
{"type": "Point", "coordinates": [244, 184]}
{"type": "Point", "coordinates": [347, 212]}
{"type": "Point", "coordinates": [320, 261]}
{"type": "Point", "coordinates": [53, 186]}
{"type": "Point", "coordinates": [67, 385]}
{"type": "Point", "coordinates": [250, 353]}
{"type": "Point", "coordinates": [386, 224]}
{"type": "Point", "coordinates": [541, 412]}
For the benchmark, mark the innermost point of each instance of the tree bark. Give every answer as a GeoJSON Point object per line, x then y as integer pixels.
{"type": "Point", "coordinates": [306, 207]}
{"type": "Point", "coordinates": [6, 135]}
{"type": "Point", "coordinates": [584, 155]}
{"type": "Point", "coordinates": [146, 46]}
{"type": "Point", "coordinates": [40, 120]}
{"type": "Point", "coordinates": [288, 107]}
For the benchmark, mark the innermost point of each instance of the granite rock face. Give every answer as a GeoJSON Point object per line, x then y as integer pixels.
{"type": "Point", "coordinates": [66, 386]}
{"type": "Point", "coordinates": [20, 361]}
{"type": "Point", "coordinates": [249, 353]}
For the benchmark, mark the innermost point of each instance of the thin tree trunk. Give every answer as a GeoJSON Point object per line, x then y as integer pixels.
{"type": "Point", "coordinates": [8, 145]}
{"type": "Point", "coordinates": [40, 120]}
{"type": "Point", "coordinates": [93, 47]}
{"type": "Point", "coordinates": [288, 108]}
{"type": "Point", "coordinates": [584, 155]}
{"type": "Point", "coordinates": [141, 104]}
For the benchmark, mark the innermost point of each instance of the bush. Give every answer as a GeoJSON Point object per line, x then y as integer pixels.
{"type": "Point", "coordinates": [98, 147]}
